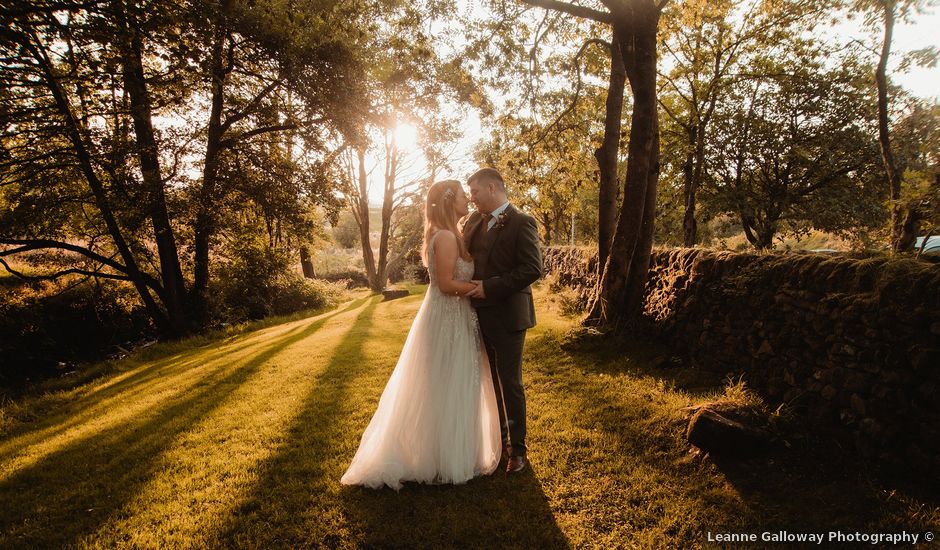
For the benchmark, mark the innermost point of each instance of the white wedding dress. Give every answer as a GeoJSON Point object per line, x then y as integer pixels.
{"type": "Point", "coordinates": [437, 420]}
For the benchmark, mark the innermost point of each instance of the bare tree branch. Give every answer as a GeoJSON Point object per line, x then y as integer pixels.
{"type": "Point", "coordinates": [52, 7]}
{"type": "Point", "coordinates": [577, 91]}
{"type": "Point", "coordinates": [572, 9]}
{"type": "Point", "coordinates": [250, 107]}
{"type": "Point", "coordinates": [71, 271]}
{"type": "Point", "coordinates": [230, 141]}
{"type": "Point", "coordinates": [26, 245]}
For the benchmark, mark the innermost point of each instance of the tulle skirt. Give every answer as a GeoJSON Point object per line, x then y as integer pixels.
{"type": "Point", "coordinates": [437, 420]}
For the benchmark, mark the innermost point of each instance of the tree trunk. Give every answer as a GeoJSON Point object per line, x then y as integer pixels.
{"type": "Point", "coordinates": [758, 232]}
{"type": "Point", "coordinates": [765, 235]}
{"type": "Point", "coordinates": [546, 223]}
{"type": "Point", "coordinates": [306, 263]}
{"type": "Point", "coordinates": [362, 216]}
{"type": "Point", "coordinates": [747, 224]}
{"type": "Point", "coordinates": [690, 185]}
{"type": "Point", "coordinates": [624, 276]}
{"type": "Point", "coordinates": [391, 173]}
{"type": "Point", "coordinates": [884, 136]}
{"type": "Point", "coordinates": [698, 175]}
{"type": "Point", "coordinates": [571, 236]}
{"type": "Point", "coordinates": [84, 157]}
{"type": "Point", "coordinates": [141, 112]}
{"type": "Point", "coordinates": [639, 270]}
{"type": "Point", "coordinates": [205, 215]}
{"type": "Point", "coordinates": [608, 154]}
{"type": "Point", "coordinates": [910, 227]}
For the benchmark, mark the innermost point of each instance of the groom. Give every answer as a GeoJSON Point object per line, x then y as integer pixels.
{"type": "Point", "coordinates": [504, 244]}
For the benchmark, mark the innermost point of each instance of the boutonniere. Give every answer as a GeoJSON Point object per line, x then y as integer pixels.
{"type": "Point", "coordinates": [501, 219]}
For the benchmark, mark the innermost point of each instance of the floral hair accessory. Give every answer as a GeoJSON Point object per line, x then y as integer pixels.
{"type": "Point", "coordinates": [447, 195]}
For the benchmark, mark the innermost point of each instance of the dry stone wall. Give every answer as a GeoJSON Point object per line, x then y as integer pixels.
{"type": "Point", "coordinates": [851, 344]}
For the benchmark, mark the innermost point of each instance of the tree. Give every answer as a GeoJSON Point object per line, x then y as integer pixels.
{"type": "Point", "coordinates": [398, 198]}
{"type": "Point", "coordinates": [794, 145]}
{"type": "Point", "coordinates": [357, 196]}
{"type": "Point", "coordinates": [286, 50]}
{"type": "Point", "coordinates": [87, 84]}
{"type": "Point", "coordinates": [410, 86]}
{"type": "Point", "coordinates": [917, 141]}
{"type": "Point", "coordinates": [709, 45]}
{"type": "Point", "coordinates": [886, 13]}
{"type": "Point", "coordinates": [700, 39]}
{"type": "Point", "coordinates": [549, 165]}
{"type": "Point", "coordinates": [533, 63]}
{"type": "Point", "coordinates": [621, 286]}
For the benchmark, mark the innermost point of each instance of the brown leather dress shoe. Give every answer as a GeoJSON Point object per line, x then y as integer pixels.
{"type": "Point", "coordinates": [516, 464]}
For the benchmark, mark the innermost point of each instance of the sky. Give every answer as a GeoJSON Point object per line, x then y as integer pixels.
{"type": "Point", "coordinates": [923, 32]}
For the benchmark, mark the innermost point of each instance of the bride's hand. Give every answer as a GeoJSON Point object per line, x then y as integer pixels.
{"type": "Point", "coordinates": [477, 292]}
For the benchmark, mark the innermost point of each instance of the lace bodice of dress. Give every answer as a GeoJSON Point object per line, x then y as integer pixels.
{"type": "Point", "coordinates": [463, 270]}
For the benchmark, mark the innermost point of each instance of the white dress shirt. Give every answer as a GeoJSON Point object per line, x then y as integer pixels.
{"type": "Point", "coordinates": [495, 213]}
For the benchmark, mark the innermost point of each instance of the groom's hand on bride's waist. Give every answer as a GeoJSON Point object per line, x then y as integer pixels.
{"type": "Point", "coordinates": [477, 292]}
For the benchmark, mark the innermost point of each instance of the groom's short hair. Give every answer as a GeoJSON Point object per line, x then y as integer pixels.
{"type": "Point", "coordinates": [486, 175]}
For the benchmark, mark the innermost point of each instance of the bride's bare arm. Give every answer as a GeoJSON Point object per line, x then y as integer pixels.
{"type": "Point", "coordinates": [445, 257]}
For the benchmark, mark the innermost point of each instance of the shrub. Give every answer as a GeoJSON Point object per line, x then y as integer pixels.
{"type": "Point", "coordinates": [416, 273]}
{"type": "Point", "coordinates": [299, 294]}
{"type": "Point", "coordinates": [350, 278]}
{"type": "Point", "coordinates": [45, 328]}
{"type": "Point", "coordinates": [258, 281]}
{"type": "Point", "coordinates": [346, 231]}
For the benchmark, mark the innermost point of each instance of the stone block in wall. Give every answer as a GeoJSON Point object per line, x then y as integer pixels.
{"type": "Point", "coordinates": [823, 375]}
{"type": "Point", "coordinates": [924, 358]}
{"type": "Point", "coordinates": [858, 404]}
{"type": "Point", "coordinates": [856, 381]}
{"type": "Point", "coordinates": [890, 377]}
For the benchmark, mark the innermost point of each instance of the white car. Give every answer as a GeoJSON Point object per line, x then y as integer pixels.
{"type": "Point", "coordinates": [933, 244]}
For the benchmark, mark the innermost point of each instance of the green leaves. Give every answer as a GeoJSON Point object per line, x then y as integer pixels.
{"type": "Point", "coordinates": [795, 144]}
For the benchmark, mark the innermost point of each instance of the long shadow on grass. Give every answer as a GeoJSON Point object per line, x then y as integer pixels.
{"type": "Point", "coordinates": [492, 511]}
{"type": "Point", "coordinates": [617, 355]}
{"type": "Point", "coordinates": [295, 503]}
{"type": "Point", "coordinates": [70, 493]}
{"type": "Point", "coordinates": [160, 367]}
{"type": "Point", "coordinates": [806, 487]}
{"type": "Point", "coordinates": [138, 382]}
{"type": "Point", "coordinates": [488, 512]}
{"type": "Point", "coordinates": [283, 509]}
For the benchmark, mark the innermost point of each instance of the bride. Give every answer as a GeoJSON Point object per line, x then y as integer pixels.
{"type": "Point", "coordinates": [437, 420]}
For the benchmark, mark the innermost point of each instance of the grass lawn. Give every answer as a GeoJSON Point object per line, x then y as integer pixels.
{"type": "Point", "coordinates": [241, 441]}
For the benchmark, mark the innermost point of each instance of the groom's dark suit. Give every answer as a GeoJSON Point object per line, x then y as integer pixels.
{"type": "Point", "coordinates": [507, 258]}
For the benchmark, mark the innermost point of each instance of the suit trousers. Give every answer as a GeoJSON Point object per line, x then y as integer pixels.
{"type": "Point", "coordinates": [504, 349]}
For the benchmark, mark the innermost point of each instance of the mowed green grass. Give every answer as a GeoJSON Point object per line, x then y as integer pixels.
{"type": "Point", "coordinates": [241, 442]}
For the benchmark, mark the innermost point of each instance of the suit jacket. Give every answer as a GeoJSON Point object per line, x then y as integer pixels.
{"type": "Point", "coordinates": [508, 259]}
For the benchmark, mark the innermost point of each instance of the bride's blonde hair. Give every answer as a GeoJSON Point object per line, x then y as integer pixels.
{"type": "Point", "coordinates": [439, 213]}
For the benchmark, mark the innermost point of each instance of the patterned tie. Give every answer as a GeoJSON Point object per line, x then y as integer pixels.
{"type": "Point", "coordinates": [486, 222]}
